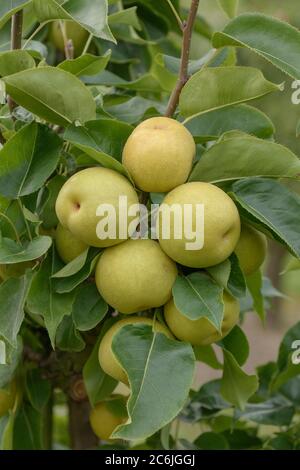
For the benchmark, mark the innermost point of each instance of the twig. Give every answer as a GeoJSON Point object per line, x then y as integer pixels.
{"type": "Point", "coordinates": [68, 43]}
{"type": "Point", "coordinates": [176, 14]}
{"type": "Point", "coordinates": [187, 28]}
{"type": "Point", "coordinates": [16, 43]}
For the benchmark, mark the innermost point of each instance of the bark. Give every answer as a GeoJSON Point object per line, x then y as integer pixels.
{"type": "Point", "coordinates": [81, 434]}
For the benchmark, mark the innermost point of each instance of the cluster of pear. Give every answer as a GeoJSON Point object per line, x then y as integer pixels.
{"type": "Point", "coordinates": [138, 274]}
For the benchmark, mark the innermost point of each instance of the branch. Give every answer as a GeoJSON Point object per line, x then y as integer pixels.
{"type": "Point", "coordinates": [187, 28]}
{"type": "Point", "coordinates": [16, 43]}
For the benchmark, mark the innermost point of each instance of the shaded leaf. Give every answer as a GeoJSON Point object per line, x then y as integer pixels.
{"type": "Point", "coordinates": [68, 338]}
{"type": "Point", "coordinates": [236, 342]}
{"type": "Point", "coordinates": [28, 159]}
{"type": "Point", "coordinates": [89, 308]}
{"type": "Point", "coordinates": [11, 252]}
{"type": "Point", "coordinates": [49, 93]}
{"type": "Point", "coordinates": [276, 411]}
{"type": "Point", "coordinates": [38, 389]}
{"type": "Point", "coordinates": [14, 61]}
{"type": "Point", "coordinates": [9, 8]}
{"type": "Point", "coordinates": [86, 64]}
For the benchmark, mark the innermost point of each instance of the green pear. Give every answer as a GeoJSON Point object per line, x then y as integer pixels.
{"type": "Point", "coordinates": [135, 276]}
{"type": "Point", "coordinates": [159, 154]}
{"type": "Point", "coordinates": [74, 31]}
{"type": "Point", "coordinates": [107, 359]}
{"type": "Point", "coordinates": [108, 415]}
{"type": "Point", "coordinates": [81, 196]}
{"type": "Point", "coordinates": [68, 246]}
{"type": "Point", "coordinates": [7, 399]}
{"type": "Point", "coordinates": [180, 214]}
{"type": "Point", "coordinates": [251, 249]}
{"type": "Point", "coordinates": [201, 332]}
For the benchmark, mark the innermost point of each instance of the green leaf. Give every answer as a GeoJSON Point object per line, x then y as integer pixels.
{"type": "Point", "coordinates": [44, 301]}
{"type": "Point", "coordinates": [147, 82]}
{"type": "Point", "coordinates": [265, 202]}
{"type": "Point", "coordinates": [277, 411]}
{"type": "Point", "coordinates": [198, 296]}
{"type": "Point", "coordinates": [46, 207]}
{"type": "Point", "coordinates": [133, 110]}
{"type": "Point", "coordinates": [212, 125]}
{"type": "Point", "coordinates": [127, 16]}
{"type": "Point", "coordinates": [276, 41]}
{"type": "Point", "coordinates": [38, 389]}
{"type": "Point", "coordinates": [215, 88]}
{"type": "Point", "coordinates": [230, 7]}
{"type": "Point", "coordinates": [14, 61]}
{"type": "Point", "coordinates": [90, 14]}
{"type": "Point", "coordinates": [243, 157]}
{"type": "Point", "coordinates": [68, 338]}
{"type": "Point", "coordinates": [236, 343]}
{"type": "Point", "coordinates": [50, 93]}
{"type": "Point", "coordinates": [230, 276]}
{"type": "Point", "coordinates": [236, 386]}
{"type": "Point", "coordinates": [68, 284]}
{"type": "Point", "coordinates": [86, 64]}
{"type": "Point", "coordinates": [161, 365]}
{"type": "Point", "coordinates": [13, 294]}
{"type": "Point", "coordinates": [211, 441]}
{"type": "Point", "coordinates": [9, 8]}
{"type": "Point", "coordinates": [207, 355]}
{"type": "Point", "coordinates": [28, 429]}
{"type": "Point", "coordinates": [102, 140]}
{"type": "Point", "coordinates": [11, 252]}
{"type": "Point", "coordinates": [287, 362]}
{"type": "Point", "coordinates": [98, 384]}
{"type": "Point", "coordinates": [28, 159]}
{"type": "Point", "coordinates": [73, 267]}
{"type": "Point", "coordinates": [255, 285]}
{"type": "Point", "coordinates": [89, 308]}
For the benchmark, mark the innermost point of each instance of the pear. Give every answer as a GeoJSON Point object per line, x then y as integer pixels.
{"type": "Point", "coordinates": [86, 191]}
{"type": "Point", "coordinates": [135, 276]}
{"type": "Point", "coordinates": [182, 240]}
{"type": "Point", "coordinates": [107, 359]}
{"type": "Point", "coordinates": [251, 249]}
{"type": "Point", "coordinates": [108, 415]}
{"type": "Point", "coordinates": [159, 154]}
{"type": "Point", "coordinates": [74, 31]}
{"type": "Point", "coordinates": [68, 246]}
{"type": "Point", "coordinates": [201, 332]}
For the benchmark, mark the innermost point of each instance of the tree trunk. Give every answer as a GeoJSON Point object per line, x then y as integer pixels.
{"type": "Point", "coordinates": [82, 436]}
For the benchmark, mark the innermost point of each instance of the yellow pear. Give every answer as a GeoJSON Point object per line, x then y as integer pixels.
{"type": "Point", "coordinates": [201, 332]}
{"type": "Point", "coordinates": [108, 415]}
{"type": "Point", "coordinates": [14, 270]}
{"type": "Point", "coordinates": [180, 213]}
{"type": "Point", "coordinates": [107, 359]}
{"type": "Point", "coordinates": [68, 246]}
{"type": "Point", "coordinates": [159, 154]}
{"type": "Point", "coordinates": [251, 249]}
{"type": "Point", "coordinates": [7, 399]}
{"type": "Point", "coordinates": [74, 31]}
{"type": "Point", "coordinates": [84, 193]}
{"type": "Point", "coordinates": [135, 276]}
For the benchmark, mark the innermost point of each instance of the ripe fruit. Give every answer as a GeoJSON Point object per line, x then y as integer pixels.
{"type": "Point", "coordinates": [107, 359]}
{"type": "Point", "coordinates": [74, 31]}
{"type": "Point", "coordinates": [107, 415]}
{"type": "Point", "coordinates": [221, 225]}
{"type": "Point", "coordinates": [67, 245]}
{"type": "Point", "coordinates": [159, 154]}
{"type": "Point", "coordinates": [201, 332]}
{"type": "Point", "coordinates": [14, 270]}
{"type": "Point", "coordinates": [135, 276]}
{"type": "Point", "coordinates": [83, 193]}
{"type": "Point", "coordinates": [7, 400]}
{"type": "Point", "coordinates": [251, 249]}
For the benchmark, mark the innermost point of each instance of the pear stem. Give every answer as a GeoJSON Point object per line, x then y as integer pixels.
{"type": "Point", "coordinates": [187, 28]}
